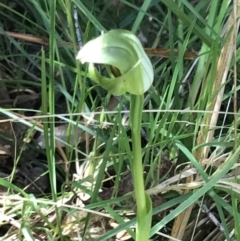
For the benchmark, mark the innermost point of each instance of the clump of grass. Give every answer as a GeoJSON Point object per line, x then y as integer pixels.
{"type": "Point", "coordinates": [189, 118]}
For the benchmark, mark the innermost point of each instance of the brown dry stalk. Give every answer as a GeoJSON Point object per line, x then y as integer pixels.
{"type": "Point", "coordinates": [163, 53]}
{"type": "Point", "coordinates": [210, 119]}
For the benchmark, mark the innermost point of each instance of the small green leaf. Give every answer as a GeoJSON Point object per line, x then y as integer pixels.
{"type": "Point", "coordinates": [122, 50]}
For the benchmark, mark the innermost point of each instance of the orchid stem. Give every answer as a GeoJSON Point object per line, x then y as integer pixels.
{"type": "Point", "coordinates": [137, 166]}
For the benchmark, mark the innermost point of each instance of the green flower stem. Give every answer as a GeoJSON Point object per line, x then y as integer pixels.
{"type": "Point", "coordinates": [137, 167]}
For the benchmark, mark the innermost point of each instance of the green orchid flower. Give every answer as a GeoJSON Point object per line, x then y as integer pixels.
{"type": "Point", "coordinates": [131, 71]}
{"type": "Point", "coordinates": [123, 50]}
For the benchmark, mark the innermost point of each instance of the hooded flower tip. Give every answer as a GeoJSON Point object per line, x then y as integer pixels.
{"type": "Point", "coordinates": [123, 50]}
